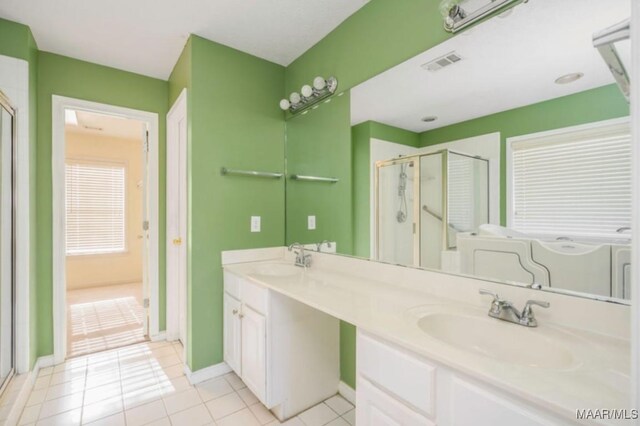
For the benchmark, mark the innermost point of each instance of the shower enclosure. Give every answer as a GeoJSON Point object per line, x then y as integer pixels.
{"type": "Point", "coordinates": [422, 201]}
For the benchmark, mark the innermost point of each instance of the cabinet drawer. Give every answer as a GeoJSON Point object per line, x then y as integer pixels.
{"type": "Point", "coordinates": [253, 295]}
{"type": "Point", "coordinates": [232, 284]}
{"type": "Point", "coordinates": [393, 369]}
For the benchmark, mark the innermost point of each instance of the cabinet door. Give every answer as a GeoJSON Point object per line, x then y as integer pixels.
{"type": "Point", "coordinates": [377, 408]}
{"type": "Point", "coordinates": [254, 362]}
{"type": "Point", "coordinates": [232, 331]}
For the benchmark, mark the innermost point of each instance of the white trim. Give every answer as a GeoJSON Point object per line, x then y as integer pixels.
{"type": "Point", "coordinates": [178, 111]}
{"type": "Point", "coordinates": [59, 104]}
{"type": "Point", "coordinates": [159, 337]}
{"type": "Point", "coordinates": [544, 134]}
{"type": "Point", "coordinates": [635, 226]}
{"type": "Point", "coordinates": [26, 386]}
{"type": "Point", "coordinates": [206, 373]}
{"type": "Point", "coordinates": [347, 392]}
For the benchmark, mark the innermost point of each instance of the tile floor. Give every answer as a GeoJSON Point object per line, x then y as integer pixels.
{"type": "Point", "coordinates": [104, 317]}
{"type": "Point", "coordinates": [145, 384]}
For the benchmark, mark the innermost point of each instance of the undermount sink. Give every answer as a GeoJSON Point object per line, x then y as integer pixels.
{"type": "Point", "coordinates": [509, 343]}
{"type": "Point", "coordinates": [277, 270]}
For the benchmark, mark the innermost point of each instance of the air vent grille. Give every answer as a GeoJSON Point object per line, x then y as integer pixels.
{"type": "Point", "coordinates": [443, 61]}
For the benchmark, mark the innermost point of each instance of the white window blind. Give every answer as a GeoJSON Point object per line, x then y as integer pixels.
{"type": "Point", "coordinates": [95, 207]}
{"type": "Point", "coordinates": [573, 183]}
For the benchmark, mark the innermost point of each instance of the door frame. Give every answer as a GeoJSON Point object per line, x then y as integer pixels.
{"type": "Point", "coordinates": [178, 109]}
{"type": "Point", "coordinates": [59, 104]}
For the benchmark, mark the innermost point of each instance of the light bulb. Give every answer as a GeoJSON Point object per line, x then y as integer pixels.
{"type": "Point", "coordinates": [319, 83]}
{"type": "Point", "coordinates": [284, 104]}
{"type": "Point", "coordinates": [294, 98]}
{"type": "Point", "coordinates": [306, 91]}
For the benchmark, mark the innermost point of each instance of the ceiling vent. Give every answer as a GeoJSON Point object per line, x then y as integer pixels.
{"type": "Point", "coordinates": [443, 61]}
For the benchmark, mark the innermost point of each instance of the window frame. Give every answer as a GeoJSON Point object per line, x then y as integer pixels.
{"type": "Point", "coordinates": [592, 128]}
{"type": "Point", "coordinates": [108, 162]}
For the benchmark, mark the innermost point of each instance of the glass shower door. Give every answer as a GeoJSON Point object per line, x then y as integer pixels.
{"type": "Point", "coordinates": [396, 227]}
{"type": "Point", "coordinates": [7, 281]}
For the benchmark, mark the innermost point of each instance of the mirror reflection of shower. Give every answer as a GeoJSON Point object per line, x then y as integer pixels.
{"type": "Point", "coordinates": [401, 217]}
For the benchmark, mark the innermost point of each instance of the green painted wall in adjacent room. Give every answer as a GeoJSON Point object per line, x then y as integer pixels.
{"type": "Point", "coordinates": [598, 104]}
{"type": "Point", "coordinates": [235, 122]}
{"type": "Point", "coordinates": [59, 75]}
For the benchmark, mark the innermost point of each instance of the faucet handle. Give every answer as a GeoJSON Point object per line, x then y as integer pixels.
{"type": "Point", "coordinates": [527, 318]}
{"type": "Point", "coordinates": [540, 303]}
{"type": "Point", "coordinates": [495, 296]}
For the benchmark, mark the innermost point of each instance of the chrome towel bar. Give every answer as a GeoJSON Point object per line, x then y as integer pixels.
{"type": "Point", "coordinates": [224, 171]}
{"type": "Point", "coordinates": [315, 178]}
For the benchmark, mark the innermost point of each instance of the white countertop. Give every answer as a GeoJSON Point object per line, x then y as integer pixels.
{"type": "Point", "coordinates": [599, 379]}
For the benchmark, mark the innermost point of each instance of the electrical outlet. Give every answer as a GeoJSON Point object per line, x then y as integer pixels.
{"type": "Point", "coordinates": [311, 222]}
{"type": "Point", "coordinates": [255, 223]}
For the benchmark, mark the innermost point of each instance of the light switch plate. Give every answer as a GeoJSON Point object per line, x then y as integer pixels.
{"type": "Point", "coordinates": [255, 223]}
{"type": "Point", "coordinates": [311, 222]}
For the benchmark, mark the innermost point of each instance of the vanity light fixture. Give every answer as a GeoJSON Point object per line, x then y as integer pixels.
{"type": "Point", "coordinates": [429, 118]}
{"type": "Point", "coordinates": [310, 94]}
{"type": "Point", "coordinates": [456, 17]}
{"type": "Point", "coordinates": [569, 78]}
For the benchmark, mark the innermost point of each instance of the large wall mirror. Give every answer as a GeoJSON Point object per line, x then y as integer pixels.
{"type": "Point", "coordinates": [503, 153]}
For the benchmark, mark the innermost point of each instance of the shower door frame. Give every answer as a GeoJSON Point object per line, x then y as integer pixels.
{"type": "Point", "coordinates": [5, 104]}
{"type": "Point", "coordinates": [416, 206]}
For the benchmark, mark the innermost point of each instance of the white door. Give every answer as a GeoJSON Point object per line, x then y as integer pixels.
{"type": "Point", "coordinates": [232, 332]}
{"type": "Point", "coordinates": [254, 360]}
{"type": "Point", "coordinates": [145, 228]}
{"type": "Point", "coordinates": [177, 220]}
{"type": "Point", "coordinates": [377, 408]}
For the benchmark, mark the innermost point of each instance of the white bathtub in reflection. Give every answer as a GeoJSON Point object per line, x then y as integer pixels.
{"type": "Point", "coordinates": [504, 254]}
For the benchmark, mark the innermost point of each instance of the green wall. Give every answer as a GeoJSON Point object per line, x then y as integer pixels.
{"type": "Point", "coordinates": [59, 75]}
{"type": "Point", "coordinates": [234, 122]}
{"type": "Point", "coordinates": [598, 104]}
{"type": "Point", "coordinates": [16, 40]}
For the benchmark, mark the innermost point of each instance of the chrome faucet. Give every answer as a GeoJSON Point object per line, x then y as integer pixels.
{"type": "Point", "coordinates": [302, 260]}
{"type": "Point", "coordinates": [504, 310]}
{"type": "Point", "coordinates": [319, 245]}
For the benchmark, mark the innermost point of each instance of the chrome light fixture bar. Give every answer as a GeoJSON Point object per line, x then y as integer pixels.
{"type": "Point", "coordinates": [310, 95]}
{"type": "Point", "coordinates": [604, 41]}
{"type": "Point", "coordinates": [457, 18]}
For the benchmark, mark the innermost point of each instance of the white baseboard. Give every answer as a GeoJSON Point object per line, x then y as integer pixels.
{"type": "Point", "coordinates": [162, 335]}
{"type": "Point", "coordinates": [347, 392]}
{"type": "Point", "coordinates": [207, 373]}
{"type": "Point", "coordinates": [24, 384]}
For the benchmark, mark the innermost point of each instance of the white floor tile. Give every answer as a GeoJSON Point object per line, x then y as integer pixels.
{"type": "Point", "coordinates": [194, 416]}
{"type": "Point", "coordinates": [214, 388]}
{"type": "Point", "coordinates": [37, 397]}
{"type": "Point", "coordinates": [64, 389]}
{"type": "Point", "coordinates": [319, 415]}
{"type": "Point", "coordinates": [225, 405]}
{"type": "Point", "coordinates": [261, 413]}
{"type": "Point", "coordinates": [240, 418]}
{"type": "Point", "coordinates": [350, 417]}
{"type": "Point", "coordinates": [295, 421]}
{"type": "Point", "coordinates": [68, 418]}
{"type": "Point", "coordinates": [30, 415]}
{"type": "Point", "coordinates": [42, 382]}
{"type": "Point", "coordinates": [146, 413]}
{"type": "Point", "coordinates": [100, 393]}
{"type": "Point", "coordinates": [181, 401]}
{"type": "Point", "coordinates": [172, 386]}
{"type": "Point", "coordinates": [160, 422]}
{"type": "Point", "coordinates": [338, 422]}
{"type": "Point", "coordinates": [113, 420]}
{"type": "Point", "coordinates": [60, 405]}
{"type": "Point", "coordinates": [247, 396]}
{"type": "Point", "coordinates": [339, 404]}
{"type": "Point", "coordinates": [235, 381]}
{"type": "Point", "coordinates": [100, 409]}
{"type": "Point", "coordinates": [46, 371]}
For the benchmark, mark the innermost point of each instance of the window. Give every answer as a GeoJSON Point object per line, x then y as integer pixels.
{"type": "Point", "coordinates": [95, 207]}
{"type": "Point", "coordinates": [572, 182]}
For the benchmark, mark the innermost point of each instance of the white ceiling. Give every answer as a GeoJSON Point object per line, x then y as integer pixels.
{"type": "Point", "coordinates": [106, 125]}
{"type": "Point", "coordinates": [147, 36]}
{"type": "Point", "coordinates": [508, 62]}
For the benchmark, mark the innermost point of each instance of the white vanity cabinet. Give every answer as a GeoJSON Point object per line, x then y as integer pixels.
{"type": "Point", "coordinates": [286, 352]}
{"type": "Point", "coordinates": [397, 387]}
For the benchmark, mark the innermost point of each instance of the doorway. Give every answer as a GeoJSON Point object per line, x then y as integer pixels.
{"type": "Point", "coordinates": [105, 240]}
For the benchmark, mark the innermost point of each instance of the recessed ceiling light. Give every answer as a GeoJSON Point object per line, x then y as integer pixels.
{"type": "Point", "coordinates": [429, 118]}
{"type": "Point", "coordinates": [569, 78]}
